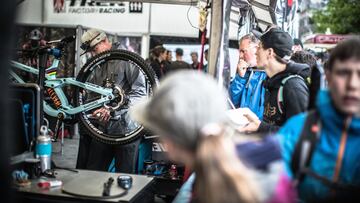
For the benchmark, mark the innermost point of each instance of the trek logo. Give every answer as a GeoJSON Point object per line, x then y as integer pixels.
{"type": "Point", "coordinates": [158, 147]}
{"type": "Point", "coordinates": [84, 3]}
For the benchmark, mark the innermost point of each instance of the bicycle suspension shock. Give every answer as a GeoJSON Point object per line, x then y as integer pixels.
{"type": "Point", "coordinates": [57, 103]}
{"type": "Point", "coordinates": [54, 97]}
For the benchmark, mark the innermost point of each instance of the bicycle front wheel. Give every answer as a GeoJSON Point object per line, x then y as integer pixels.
{"type": "Point", "coordinates": [131, 79]}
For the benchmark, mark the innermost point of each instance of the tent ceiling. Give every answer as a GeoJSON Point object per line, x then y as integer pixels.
{"type": "Point", "coordinates": [178, 2]}
{"type": "Point", "coordinates": [264, 10]}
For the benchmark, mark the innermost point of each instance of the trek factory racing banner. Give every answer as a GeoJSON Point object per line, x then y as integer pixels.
{"type": "Point", "coordinates": [120, 17]}
{"type": "Point", "coordinates": [92, 7]}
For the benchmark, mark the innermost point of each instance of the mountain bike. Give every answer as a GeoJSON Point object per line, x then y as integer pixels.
{"type": "Point", "coordinates": [114, 80]}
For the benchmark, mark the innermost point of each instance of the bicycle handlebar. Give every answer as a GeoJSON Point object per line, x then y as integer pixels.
{"type": "Point", "coordinates": [49, 49]}
{"type": "Point", "coordinates": [63, 40]}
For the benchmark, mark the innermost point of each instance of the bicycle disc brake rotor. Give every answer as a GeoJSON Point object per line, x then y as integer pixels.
{"type": "Point", "coordinates": [118, 101]}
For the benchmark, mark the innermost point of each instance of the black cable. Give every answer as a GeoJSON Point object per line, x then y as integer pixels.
{"type": "Point", "coordinates": [54, 166]}
{"type": "Point", "coordinates": [187, 15]}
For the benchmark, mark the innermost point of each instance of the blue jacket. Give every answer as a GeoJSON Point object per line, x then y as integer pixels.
{"type": "Point", "coordinates": [326, 152]}
{"type": "Point", "coordinates": [248, 91]}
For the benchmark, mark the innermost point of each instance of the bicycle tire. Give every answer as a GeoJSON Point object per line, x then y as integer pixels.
{"type": "Point", "coordinates": [96, 61]}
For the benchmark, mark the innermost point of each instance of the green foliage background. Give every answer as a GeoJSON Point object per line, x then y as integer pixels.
{"type": "Point", "coordinates": [341, 16]}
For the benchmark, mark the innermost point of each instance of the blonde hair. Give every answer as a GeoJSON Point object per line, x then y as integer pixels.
{"type": "Point", "coordinates": [220, 175]}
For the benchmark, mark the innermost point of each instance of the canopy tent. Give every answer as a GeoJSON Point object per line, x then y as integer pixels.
{"type": "Point", "coordinates": [253, 14]}
{"type": "Point", "coordinates": [230, 19]}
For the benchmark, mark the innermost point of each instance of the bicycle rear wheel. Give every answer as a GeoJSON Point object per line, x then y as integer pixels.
{"type": "Point", "coordinates": [127, 73]}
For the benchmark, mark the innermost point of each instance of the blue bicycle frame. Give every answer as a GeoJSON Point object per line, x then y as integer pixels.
{"type": "Point", "coordinates": [57, 83]}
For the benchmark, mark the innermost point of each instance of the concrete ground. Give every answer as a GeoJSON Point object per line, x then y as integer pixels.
{"type": "Point", "coordinates": [66, 159]}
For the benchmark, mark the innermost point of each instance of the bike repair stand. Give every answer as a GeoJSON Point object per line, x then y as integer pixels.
{"type": "Point", "coordinates": [43, 58]}
{"type": "Point", "coordinates": [59, 120]}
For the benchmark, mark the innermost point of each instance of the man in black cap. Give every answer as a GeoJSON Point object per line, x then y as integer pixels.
{"type": "Point", "coordinates": [286, 88]}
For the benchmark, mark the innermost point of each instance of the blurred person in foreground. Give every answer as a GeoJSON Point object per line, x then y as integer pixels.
{"type": "Point", "coordinates": [321, 147]}
{"type": "Point", "coordinates": [193, 124]}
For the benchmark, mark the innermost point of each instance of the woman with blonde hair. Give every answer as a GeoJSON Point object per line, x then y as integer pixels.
{"type": "Point", "coordinates": [188, 111]}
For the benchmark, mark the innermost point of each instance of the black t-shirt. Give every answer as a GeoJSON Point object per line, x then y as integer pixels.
{"type": "Point", "coordinates": [179, 65]}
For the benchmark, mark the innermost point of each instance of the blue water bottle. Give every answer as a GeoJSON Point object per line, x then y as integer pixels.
{"type": "Point", "coordinates": [43, 148]}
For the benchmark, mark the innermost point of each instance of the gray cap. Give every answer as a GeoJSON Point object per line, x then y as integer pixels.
{"type": "Point", "coordinates": [182, 106]}
{"type": "Point", "coordinates": [93, 37]}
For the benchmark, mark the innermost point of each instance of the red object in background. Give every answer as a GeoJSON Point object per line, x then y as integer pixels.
{"type": "Point", "coordinates": [290, 3]}
{"type": "Point", "coordinates": [203, 41]}
{"type": "Point", "coordinates": [173, 172]}
{"type": "Point", "coordinates": [315, 128]}
{"type": "Point", "coordinates": [66, 133]}
{"type": "Point", "coordinates": [327, 39]}
{"type": "Point", "coordinates": [187, 174]}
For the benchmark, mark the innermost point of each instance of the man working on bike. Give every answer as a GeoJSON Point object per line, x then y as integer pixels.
{"type": "Point", "coordinates": [98, 156]}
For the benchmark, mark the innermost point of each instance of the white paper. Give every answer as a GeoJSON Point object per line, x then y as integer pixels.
{"type": "Point", "coordinates": [237, 116]}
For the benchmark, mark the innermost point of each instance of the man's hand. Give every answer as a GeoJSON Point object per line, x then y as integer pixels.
{"type": "Point", "coordinates": [102, 114]}
{"type": "Point", "coordinates": [253, 124]}
{"type": "Point", "coordinates": [242, 67]}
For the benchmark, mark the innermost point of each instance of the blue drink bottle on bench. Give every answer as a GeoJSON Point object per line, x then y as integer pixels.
{"type": "Point", "coordinates": [43, 148]}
